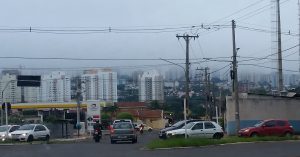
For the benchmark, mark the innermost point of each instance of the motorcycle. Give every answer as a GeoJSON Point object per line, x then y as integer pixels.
{"type": "Point", "coordinates": [141, 129]}
{"type": "Point", "coordinates": [97, 135]}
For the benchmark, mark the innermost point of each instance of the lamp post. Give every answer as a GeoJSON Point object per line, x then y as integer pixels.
{"type": "Point", "coordinates": [2, 97]}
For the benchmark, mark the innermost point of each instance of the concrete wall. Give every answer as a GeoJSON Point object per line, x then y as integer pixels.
{"type": "Point", "coordinates": [155, 123]}
{"type": "Point", "coordinates": [254, 108]}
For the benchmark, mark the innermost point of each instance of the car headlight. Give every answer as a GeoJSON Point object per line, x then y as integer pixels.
{"type": "Point", "coordinates": [24, 134]}
{"type": "Point", "coordinates": [9, 134]}
{"type": "Point", "coordinates": [247, 130]}
{"type": "Point", "coordinates": [3, 135]}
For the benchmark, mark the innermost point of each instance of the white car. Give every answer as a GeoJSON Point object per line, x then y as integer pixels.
{"type": "Point", "coordinates": [203, 129]}
{"type": "Point", "coordinates": [30, 132]}
{"type": "Point", "coordinates": [122, 120]}
{"type": "Point", "coordinates": [146, 127]}
{"type": "Point", "coordinates": [5, 130]}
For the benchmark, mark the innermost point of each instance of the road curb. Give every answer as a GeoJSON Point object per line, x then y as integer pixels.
{"type": "Point", "coordinates": [215, 145]}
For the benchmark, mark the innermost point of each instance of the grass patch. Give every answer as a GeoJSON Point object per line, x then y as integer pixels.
{"type": "Point", "coordinates": [196, 142]}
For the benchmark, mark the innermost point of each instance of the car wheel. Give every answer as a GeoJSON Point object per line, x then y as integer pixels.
{"type": "Point", "coordinates": [149, 130]}
{"type": "Point", "coordinates": [288, 134]}
{"type": "Point", "coordinates": [254, 134]}
{"type": "Point", "coordinates": [30, 138]}
{"type": "Point", "coordinates": [217, 136]}
{"type": "Point", "coordinates": [47, 138]}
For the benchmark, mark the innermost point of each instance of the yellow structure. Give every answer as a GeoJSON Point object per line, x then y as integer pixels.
{"type": "Point", "coordinates": [68, 105]}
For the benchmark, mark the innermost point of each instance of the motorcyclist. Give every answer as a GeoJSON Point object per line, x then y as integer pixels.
{"type": "Point", "coordinates": [141, 128]}
{"type": "Point", "coordinates": [97, 126]}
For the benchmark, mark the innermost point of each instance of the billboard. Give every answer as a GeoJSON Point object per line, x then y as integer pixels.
{"type": "Point", "coordinates": [93, 113]}
{"type": "Point", "coordinates": [28, 81]}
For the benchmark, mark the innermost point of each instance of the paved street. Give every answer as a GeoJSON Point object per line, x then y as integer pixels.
{"type": "Point", "coordinates": [105, 149]}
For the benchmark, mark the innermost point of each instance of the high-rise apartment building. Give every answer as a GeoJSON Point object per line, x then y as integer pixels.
{"type": "Point", "coordinates": [11, 93]}
{"type": "Point", "coordinates": [56, 87]}
{"type": "Point", "coordinates": [151, 86]}
{"type": "Point", "coordinates": [99, 84]}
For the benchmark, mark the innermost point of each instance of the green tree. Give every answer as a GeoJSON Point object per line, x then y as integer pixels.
{"type": "Point", "coordinates": [154, 105]}
{"type": "Point", "coordinates": [15, 119]}
{"type": "Point", "coordinates": [125, 115]}
{"type": "Point", "coordinates": [105, 117]}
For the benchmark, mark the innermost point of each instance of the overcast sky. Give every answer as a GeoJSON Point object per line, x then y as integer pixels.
{"type": "Point", "coordinates": [136, 14]}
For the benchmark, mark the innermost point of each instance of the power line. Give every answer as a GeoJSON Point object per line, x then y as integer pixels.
{"type": "Point", "coordinates": [220, 69]}
{"type": "Point", "coordinates": [238, 11]}
{"type": "Point", "coordinates": [265, 30]}
{"type": "Point", "coordinates": [267, 57]}
{"type": "Point", "coordinates": [71, 30]}
{"type": "Point", "coordinates": [270, 67]}
{"type": "Point", "coordinates": [256, 12]}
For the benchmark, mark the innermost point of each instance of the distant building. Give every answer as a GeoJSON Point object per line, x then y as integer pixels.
{"type": "Point", "coordinates": [140, 112]}
{"type": "Point", "coordinates": [99, 84]}
{"type": "Point", "coordinates": [151, 86]}
{"type": "Point", "coordinates": [11, 93]}
{"type": "Point", "coordinates": [11, 72]}
{"type": "Point", "coordinates": [31, 94]}
{"type": "Point", "coordinates": [56, 87]}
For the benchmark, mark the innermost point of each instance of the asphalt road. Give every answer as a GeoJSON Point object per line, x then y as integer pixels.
{"type": "Point", "coordinates": [105, 149]}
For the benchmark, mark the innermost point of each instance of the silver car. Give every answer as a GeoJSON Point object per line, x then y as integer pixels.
{"type": "Point", "coordinates": [5, 130]}
{"type": "Point", "coordinates": [203, 129]}
{"type": "Point", "coordinates": [30, 132]}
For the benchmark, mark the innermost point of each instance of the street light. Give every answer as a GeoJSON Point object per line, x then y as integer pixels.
{"type": "Point", "coordinates": [185, 100]}
{"type": "Point", "coordinates": [2, 93]}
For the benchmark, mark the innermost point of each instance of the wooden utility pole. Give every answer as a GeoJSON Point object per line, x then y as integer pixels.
{"type": "Point", "coordinates": [207, 92]}
{"type": "Point", "coordinates": [187, 38]}
{"type": "Point", "coordinates": [235, 82]}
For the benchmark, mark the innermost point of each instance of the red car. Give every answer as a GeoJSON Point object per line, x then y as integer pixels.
{"type": "Point", "coordinates": [268, 128]}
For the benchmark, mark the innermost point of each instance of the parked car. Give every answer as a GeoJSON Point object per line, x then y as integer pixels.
{"type": "Point", "coordinates": [122, 120]}
{"type": "Point", "coordinates": [30, 132]}
{"type": "Point", "coordinates": [5, 130]}
{"type": "Point", "coordinates": [178, 125]}
{"type": "Point", "coordinates": [123, 131]}
{"type": "Point", "coordinates": [268, 128]}
{"type": "Point", "coordinates": [146, 127]}
{"type": "Point", "coordinates": [204, 129]}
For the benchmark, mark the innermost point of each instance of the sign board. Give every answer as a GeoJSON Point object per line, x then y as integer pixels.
{"type": "Point", "coordinates": [93, 113]}
{"type": "Point", "coordinates": [29, 81]}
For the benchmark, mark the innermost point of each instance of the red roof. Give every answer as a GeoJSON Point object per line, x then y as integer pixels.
{"type": "Point", "coordinates": [131, 104]}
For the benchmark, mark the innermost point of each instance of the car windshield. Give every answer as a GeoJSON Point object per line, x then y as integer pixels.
{"type": "Point", "coordinates": [178, 124]}
{"type": "Point", "coordinates": [122, 126]}
{"type": "Point", "coordinates": [259, 124]}
{"type": "Point", "coordinates": [26, 127]}
{"type": "Point", "coordinates": [4, 128]}
{"type": "Point", "coordinates": [188, 126]}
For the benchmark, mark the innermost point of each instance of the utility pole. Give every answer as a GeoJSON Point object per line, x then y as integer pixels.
{"type": "Point", "coordinates": [187, 38]}
{"type": "Point", "coordinates": [280, 77]}
{"type": "Point", "coordinates": [79, 97]}
{"type": "Point", "coordinates": [299, 31]}
{"type": "Point", "coordinates": [235, 82]}
{"type": "Point", "coordinates": [209, 96]}
{"type": "Point", "coordinates": [206, 91]}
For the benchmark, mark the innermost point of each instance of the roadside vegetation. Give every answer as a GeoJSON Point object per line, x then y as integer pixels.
{"type": "Point", "coordinates": [196, 142]}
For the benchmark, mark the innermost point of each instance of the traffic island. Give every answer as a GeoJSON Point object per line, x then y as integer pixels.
{"type": "Point", "coordinates": [198, 142]}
